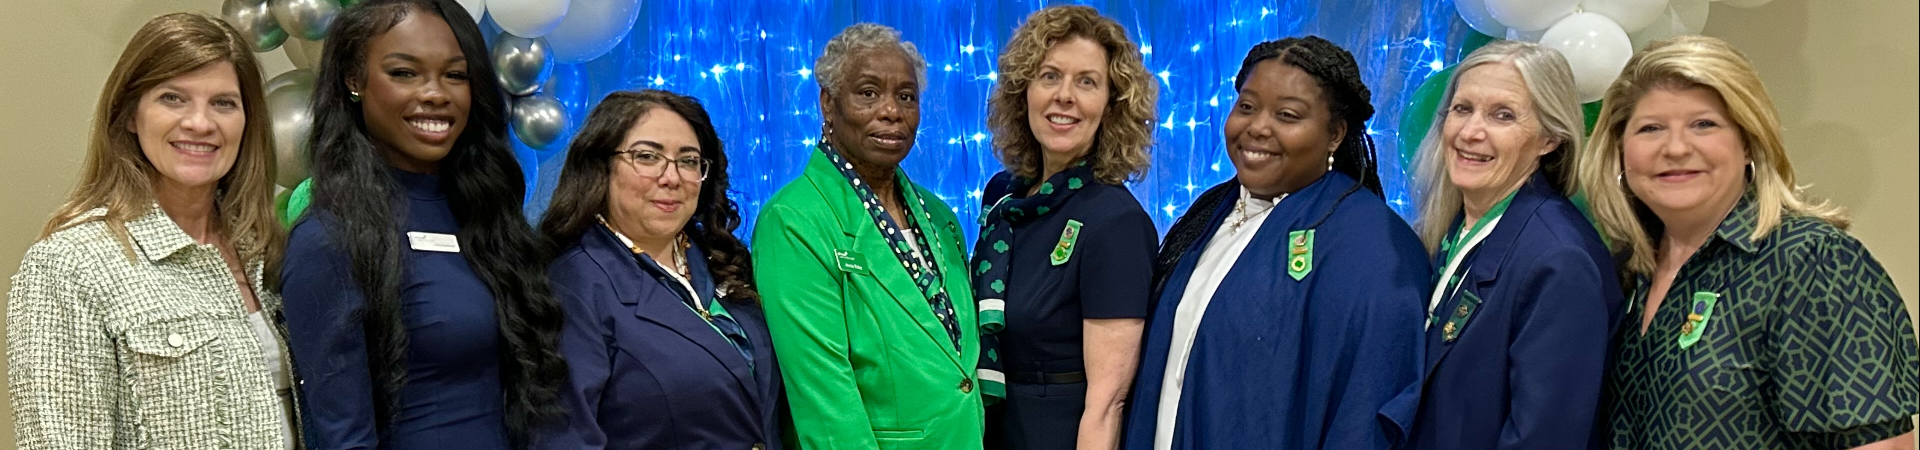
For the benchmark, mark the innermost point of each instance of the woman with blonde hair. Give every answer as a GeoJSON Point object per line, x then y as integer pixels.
{"type": "Point", "coordinates": [1064, 262]}
{"type": "Point", "coordinates": [1764, 325]}
{"type": "Point", "coordinates": [1525, 292]}
{"type": "Point", "coordinates": [140, 319]}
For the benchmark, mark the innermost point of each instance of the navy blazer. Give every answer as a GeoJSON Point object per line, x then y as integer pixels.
{"type": "Point", "coordinates": [1525, 365]}
{"type": "Point", "coordinates": [646, 371]}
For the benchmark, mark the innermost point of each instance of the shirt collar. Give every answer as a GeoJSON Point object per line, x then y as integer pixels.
{"type": "Point", "coordinates": [1737, 228]}
{"type": "Point", "coordinates": [157, 235]}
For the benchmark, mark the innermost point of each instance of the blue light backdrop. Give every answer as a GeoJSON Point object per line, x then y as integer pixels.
{"type": "Point", "coordinates": [750, 63]}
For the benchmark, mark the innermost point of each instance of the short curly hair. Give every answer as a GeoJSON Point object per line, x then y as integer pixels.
{"type": "Point", "coordinates": [1120, 147]}
{"type": "Point", "coordinates": [863, 36]}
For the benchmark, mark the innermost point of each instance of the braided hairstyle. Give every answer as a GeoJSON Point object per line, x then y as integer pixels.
{"type": "Point", "coordinates": [1347, 98]}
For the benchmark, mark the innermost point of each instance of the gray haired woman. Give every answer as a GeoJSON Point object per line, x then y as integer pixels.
{"type": "Point", "coordinates": [862, 271]}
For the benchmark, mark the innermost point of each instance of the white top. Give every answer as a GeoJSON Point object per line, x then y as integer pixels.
{"type": "Point", "coordinates": [1218, 258]}
{"type": "Point", "coordinates": [276, 360]}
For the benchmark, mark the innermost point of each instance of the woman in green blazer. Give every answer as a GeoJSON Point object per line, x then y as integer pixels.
{"type": "Point", "coordinates": [862, 272]}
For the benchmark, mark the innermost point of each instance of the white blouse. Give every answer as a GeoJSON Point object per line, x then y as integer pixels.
{"type": "Point", "coordinates": [1222, 251]}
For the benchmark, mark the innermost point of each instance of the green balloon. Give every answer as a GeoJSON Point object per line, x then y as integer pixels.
{"type": "Point", "coordinates": [1474, 41]}
{"type": "Point", "coordinates": [294, 202]}
{"type": "Point", "coordinates": [1592, 113]}
{"type": "Point", "coordinates": [1418, 116]}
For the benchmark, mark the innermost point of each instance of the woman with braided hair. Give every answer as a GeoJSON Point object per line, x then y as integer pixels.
{"type": "Point", "coordinates": [1289, 296]}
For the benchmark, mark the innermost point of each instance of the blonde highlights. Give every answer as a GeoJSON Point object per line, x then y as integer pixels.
{"type": "Point", "coordinates": [1680, 63]}
{"type": "Point", "coordinates": [1120, 147]}
{"type": "Point", "coordinates": [117, 175]}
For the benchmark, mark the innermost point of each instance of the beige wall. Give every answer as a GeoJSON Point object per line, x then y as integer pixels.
{"type": "Point", "coordinates": [1845, 75]}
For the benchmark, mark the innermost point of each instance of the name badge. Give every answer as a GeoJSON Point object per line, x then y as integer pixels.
{"type": "Point", "coordinates": [433, 242]}
{"type": "Point", "coordinates": [850, 261]}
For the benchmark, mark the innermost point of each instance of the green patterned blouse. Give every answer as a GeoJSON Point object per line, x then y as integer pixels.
{"type": "Point", "coordinates": [1798, 341]}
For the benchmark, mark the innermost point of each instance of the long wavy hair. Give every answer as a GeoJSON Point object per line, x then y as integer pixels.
{"type": "Point", "coordinates": [117, 175]}
{"type": "Point", "coordinates": [581, 194]}
{"type": "Point", "coordinates": [1556, 105]}
{"type": "Point", "coordinates": [1120, 147]}
{"type": "Point", "coordinates": [1348, 99]}
{"type": "Point", "coordinates": [353, 184]}
{"type": "Point", "coordinates": [1679, 63]}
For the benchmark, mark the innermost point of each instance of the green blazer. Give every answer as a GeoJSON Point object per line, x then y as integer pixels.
{"type": "Point", "coordinates": [866, 363]}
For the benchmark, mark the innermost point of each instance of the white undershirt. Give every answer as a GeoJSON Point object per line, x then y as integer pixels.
{"type": "Point", "coordinates": [277, 370]}
{"type": "Point", "coordinates": [1222, 251]}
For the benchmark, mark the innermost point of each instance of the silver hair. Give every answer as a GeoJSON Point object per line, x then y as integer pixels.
{"type": "Point", "coordinates": [1556, 104]}
{"type": "Point", "coordinates": [863, 36]}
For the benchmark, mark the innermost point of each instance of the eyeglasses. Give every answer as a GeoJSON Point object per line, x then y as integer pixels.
{"type": "Point", "coordinates": [654, 164]}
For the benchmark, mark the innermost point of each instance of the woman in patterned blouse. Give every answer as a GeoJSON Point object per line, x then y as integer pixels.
{"type": "Point", "coordinates": [1763, 325]}
{"type": "Point", "coordinates": [139, 320]}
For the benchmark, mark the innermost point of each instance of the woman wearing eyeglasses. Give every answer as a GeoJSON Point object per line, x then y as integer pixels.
{"type": "Point", "coordinates": [664, 337]}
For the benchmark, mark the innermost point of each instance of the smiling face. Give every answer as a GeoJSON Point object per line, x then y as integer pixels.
{"type": "Point", "coordinates": [876, 110]}
{"type": "Point", "coordinates": [415, 95]}
{"type": "Point", "coordinates": [1281, 130]}
{"type": "Point", "coordinates": [1683, 155]}
{"type": "Point", "coordinates": [1493, 132]}
{"type": "Point", "coordinates": [1068, 97]}
{"type": "Point", "coordinates": [190, 127]}
{"type": "Point", "coordinates": [653, 204]}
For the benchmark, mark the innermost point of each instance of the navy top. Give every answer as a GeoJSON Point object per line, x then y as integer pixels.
{"type": "Point", "coordinates": [452, 397]}
{"type": "Point", "coordinates": [1515, 356]}
{"type": "Point", "coordinates": [1107, 276]}
{"type": "Point", "coordinates": [646, 371]}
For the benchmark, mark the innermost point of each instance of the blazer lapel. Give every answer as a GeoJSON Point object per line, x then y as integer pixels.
{"type": "Point", "coordinates": [899, 285]}
{"type": "Point", "coordinates": [652, 300]}
{"type": "Point", "coordinates": [1484, 263]}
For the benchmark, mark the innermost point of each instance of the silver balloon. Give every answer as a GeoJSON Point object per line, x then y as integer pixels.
{"type": "Point", "coordinates": [303, 77]}
{"type": "Point", "coordinates": [304, 54]}
{"type": "Point", "coordinates": [521, 63]}
{"type": "Point", "coordinates": [292, 119]}
{"type": "Point", "coordinates": [254, 20]}
{"type": "Point", "coordinates": [538, 120]}
{"type": "Point", "coordinates": [305, 19]}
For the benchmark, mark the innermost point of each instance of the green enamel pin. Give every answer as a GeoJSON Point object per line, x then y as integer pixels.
{"type": "Point", "coordinates": [1697, 317]}
{"type": "Point", "coordinates": [1299, 254]}
{"type": "Point", "coordinates": [1064, 249]}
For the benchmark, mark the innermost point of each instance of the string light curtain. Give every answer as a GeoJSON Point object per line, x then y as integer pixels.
{"type": "Point", "coordinates": [750, 62]}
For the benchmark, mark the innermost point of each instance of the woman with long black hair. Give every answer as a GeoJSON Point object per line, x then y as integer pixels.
{"type": "Point", "coordinates": [415, 319]}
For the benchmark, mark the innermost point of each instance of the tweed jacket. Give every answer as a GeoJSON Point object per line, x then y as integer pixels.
{"type": "Point", "coordinates": [152, 350]}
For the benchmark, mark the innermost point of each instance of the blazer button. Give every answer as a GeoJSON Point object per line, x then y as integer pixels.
{"type": "Point", "coordinates": [176, 340]}
{"type": "Point", "coordinates": [966, 386]}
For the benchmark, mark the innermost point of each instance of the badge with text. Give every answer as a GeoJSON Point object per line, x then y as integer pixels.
{"type": "Point", "coordinates": [1299, 254]}
{"type": "Point", "coordinates": [1064, 249]}
{"type": "Point", "coordinates": [850, 261]}
{"type": "Point", "coordinates": [1697, 316]}
{"type": "Point", "coordinates": [433, 242]}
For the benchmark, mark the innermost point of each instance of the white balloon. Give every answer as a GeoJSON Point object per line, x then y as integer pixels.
{"type": "Point", "coordinates": [1530, 15]}
{"type": "Point", "coordinates": [1632, 15]}
{"type": "Point", "coordinates": [591, 28]}
{"type": "Point", "coordinates": [1744, 3]}
{"type": "Point", "coordinates": [1475, 13]}
{"type": "Point", "coordinates": [474, 8]}
{"type": "Point", "coordinates": [1596, 49]}
{"type": "Point", "coordinates": [528, 18]}
{"type": "Point", "coordinates": [1682, 17]}
{"type": "Point", "coordinates": [1526, 36]}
